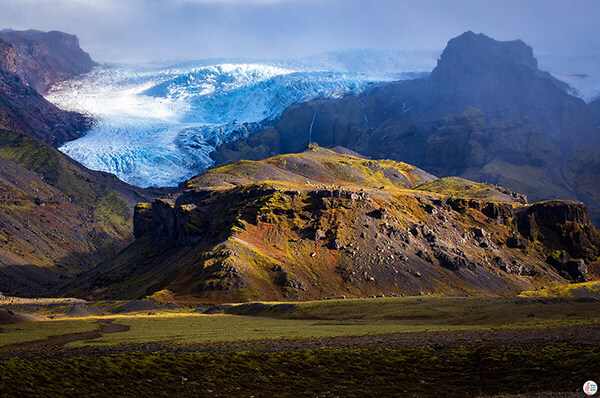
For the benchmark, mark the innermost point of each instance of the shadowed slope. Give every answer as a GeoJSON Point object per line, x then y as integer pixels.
{"type": "Point", "coordinates": [57, 218]}
{"type": "Point", "coordinates": [485, 113]}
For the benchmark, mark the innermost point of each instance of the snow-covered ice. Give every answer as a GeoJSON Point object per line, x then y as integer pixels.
{"type": "Point", "coordinates": [158, 125]}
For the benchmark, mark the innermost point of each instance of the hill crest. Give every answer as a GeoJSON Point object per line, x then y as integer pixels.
{"type": "Point", "coordinates": [244, 236]}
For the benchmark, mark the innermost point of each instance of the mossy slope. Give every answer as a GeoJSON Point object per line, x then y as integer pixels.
{"type": "Point", "coordinates": [57, 218]}
{"type": "Point", "coordinates": [323, 224]}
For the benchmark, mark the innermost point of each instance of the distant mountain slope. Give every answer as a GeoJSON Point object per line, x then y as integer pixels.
{"type": "Point", "coordinates": [486, 113]}
{"type": "Point", "coordinates": [57, 218]}
{"type": "Point", "coordinates": [595, 110]}
{"type": "Point", "coordinates": [46, 58]}
{"type": "Point", "coordinates": [320, 223]}
{"type": "Point", "coordinates": [24, 109]}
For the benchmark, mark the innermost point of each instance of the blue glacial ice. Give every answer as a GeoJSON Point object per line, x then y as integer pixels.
{"type": "Point", "coordinates": [156, 126]}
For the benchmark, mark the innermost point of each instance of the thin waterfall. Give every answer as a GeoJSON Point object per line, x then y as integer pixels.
{"type": "Point", "coordinates": [362, 108]}
{"type": "Point", "coordinates": [311, 127]}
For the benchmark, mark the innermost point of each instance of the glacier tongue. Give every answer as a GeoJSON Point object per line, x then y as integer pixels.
{"type": "Point", "coordinates": [158, 126]}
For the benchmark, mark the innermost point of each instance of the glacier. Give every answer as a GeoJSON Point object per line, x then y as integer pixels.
{"type": "Point", "coordinates": [157, 125]}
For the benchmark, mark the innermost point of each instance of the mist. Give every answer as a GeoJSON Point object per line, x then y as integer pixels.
{"type": "Point", "coordinates": [137, 31]}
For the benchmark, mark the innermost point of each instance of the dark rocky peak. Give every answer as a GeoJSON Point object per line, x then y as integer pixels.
{"type": "Point", "coordinates": [46, 58]}
{"type": "Point", "coordinates": [472, 55]}
{"type": "Point", "coordinates": [473, 49]}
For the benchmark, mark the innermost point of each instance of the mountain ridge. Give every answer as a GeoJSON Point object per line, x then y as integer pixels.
{"type": "Point", "coordinates": [22, 108]}
{"type": "Point", "coordinates": [502, 122]}
{"type": "Point", "coordinates": [319, 223]}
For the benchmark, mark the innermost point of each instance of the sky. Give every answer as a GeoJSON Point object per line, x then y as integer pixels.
{"type": "Point", "coordinates": [139, 31]}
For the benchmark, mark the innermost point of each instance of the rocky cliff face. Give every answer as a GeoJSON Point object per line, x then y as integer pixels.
{"type": "Point", "coordinates": [285, 228]}
{"type": "Point", "coordinates": [22, 108]}
{"type": "Point", "coordinates": [486, 113]}
{"type": "Point", "coordinates": [8, 57]}
{"type": "Point", "coordinates": [46, 58]}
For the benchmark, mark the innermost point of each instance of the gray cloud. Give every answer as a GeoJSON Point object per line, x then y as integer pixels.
{"type": "Point", "coordinates": [144, 30]}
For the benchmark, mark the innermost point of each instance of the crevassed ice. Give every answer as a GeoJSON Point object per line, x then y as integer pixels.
{"type": "Point", "coordinates": [157, 126]}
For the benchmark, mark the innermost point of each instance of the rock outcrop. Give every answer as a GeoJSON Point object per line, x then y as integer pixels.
{"type": "Point", "coordinates": [8, 57]}
{"type": "Point", "coordinates": [46, 58]}
{"type": "Point", "coordinates": [31, 61]}
{"type": "Point", "coordinates": [321, 224]}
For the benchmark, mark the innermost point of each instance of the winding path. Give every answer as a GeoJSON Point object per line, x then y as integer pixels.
{"type": "Point", "coordinates": [105, 326]}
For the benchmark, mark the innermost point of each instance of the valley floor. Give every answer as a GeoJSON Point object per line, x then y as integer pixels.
{"type": "Point", "coordinates": [410, 346]}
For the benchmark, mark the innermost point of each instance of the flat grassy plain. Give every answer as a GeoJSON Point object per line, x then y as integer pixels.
{"type": "Point", "coordinates": [31, 331]}
{"type": "Point", "coordinates": [409, 346]}
{"type": "Point", "coordinates": [356, 317]}
{"type": "Point", "coordinates": [327, 318]}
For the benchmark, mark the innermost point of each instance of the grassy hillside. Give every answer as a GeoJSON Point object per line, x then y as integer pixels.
{"type": "Point", "coordinates": [578, 290]}
{"type": "Point", "coordinates": [57, 218]}
{"type": "Point", "coordinates": [323, 224]}
{"type": "Point", "coordinates": [314, 166]}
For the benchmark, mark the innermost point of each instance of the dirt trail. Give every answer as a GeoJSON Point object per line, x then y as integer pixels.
{"type": "Point", "coordinates": [105, 326]}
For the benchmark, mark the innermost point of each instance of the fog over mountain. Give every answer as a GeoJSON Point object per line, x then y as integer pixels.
{"type": "Point", "coordinates": [139, 30]}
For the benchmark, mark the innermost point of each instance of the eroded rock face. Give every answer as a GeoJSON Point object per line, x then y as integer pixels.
{"type": "Point", "coordinates": [563, 221]}
{"type": "Point", "coordinates": [46, 58]}
{"type": "Point", "coordinates": [23, 110]}
{"type": "Point", "coordinates": [564, 224]}
{"type": "Point", "coordinates": [30, 62]}
{"type": "Point", "coordinates": [573, 269]}
{"type": "Point", "coordinates": [378, 244]}
{"type": "Point", "coordinates": [553, 212]}
{"type": "Point", "coordinates": [8, 57]}
{"type": "Point", "coordinates": [271, 241]}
